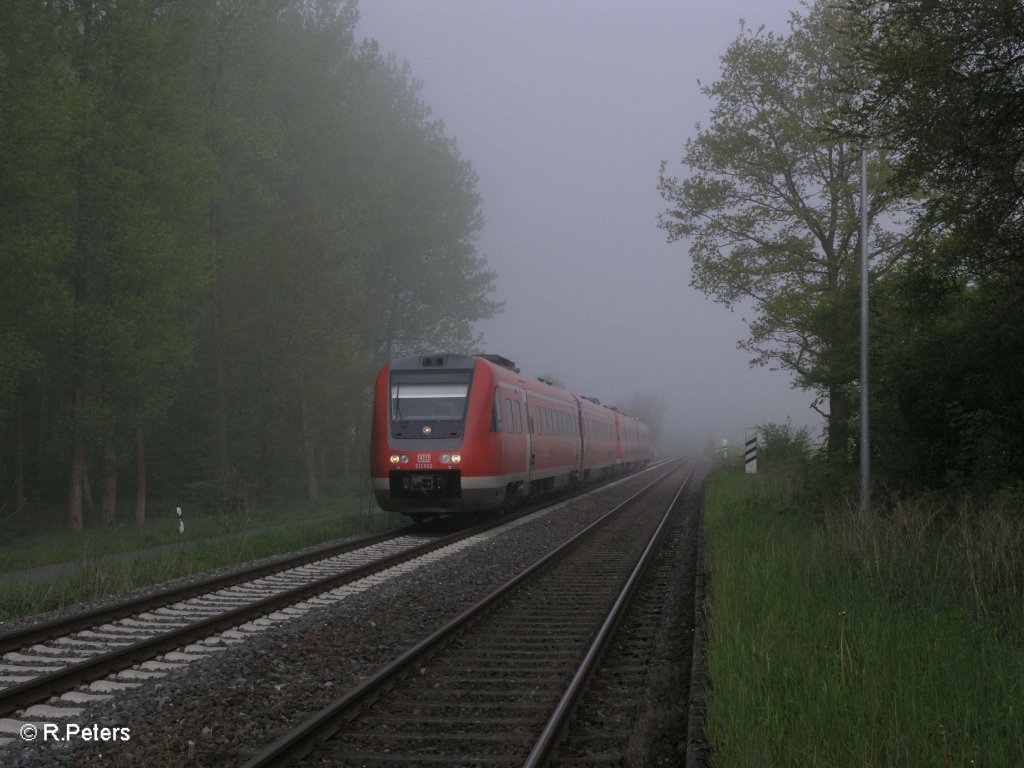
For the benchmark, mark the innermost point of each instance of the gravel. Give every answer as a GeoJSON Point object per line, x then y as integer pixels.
{"type": "Point", "coordinates": [220, 711]}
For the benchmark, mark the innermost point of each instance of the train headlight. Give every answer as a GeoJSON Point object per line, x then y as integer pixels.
{"type": "Point", "coordinates": [399, 458]}
{"type": "Point", "coordinates": [451, 458]}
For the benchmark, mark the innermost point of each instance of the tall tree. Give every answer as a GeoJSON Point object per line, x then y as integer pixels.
{"type": "Point", "coordinates": [426, 277]}
{"type": "Point", "coordinates": [34, 134]}
{"type": "Point", "coordinates": [365, 228]}
{"type": "Point", "coordinates": [771, 207]}
{"type": "Point", "coordinates": [130, 265]}
{"type": "Point", "coordinates": [234, 71]}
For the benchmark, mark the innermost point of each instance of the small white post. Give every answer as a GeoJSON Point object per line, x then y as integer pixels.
{"type": "Point", "coordinates": [181, 522]}
{"type": "Point", "coordinates": [750, 450]}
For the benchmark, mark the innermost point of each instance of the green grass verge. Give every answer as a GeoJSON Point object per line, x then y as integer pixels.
{"type": "Point", "coordinates": [832, 645]}
{"type": "Point", "coordinates": [209, 542]}
{"type": "Point", "coordinates": [51, 542]}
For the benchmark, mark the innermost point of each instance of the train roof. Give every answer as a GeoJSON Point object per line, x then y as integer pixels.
{"type": "Point", "coordinates": [453, 361]}
{"type": "Point", "coordinates": [448, 360]}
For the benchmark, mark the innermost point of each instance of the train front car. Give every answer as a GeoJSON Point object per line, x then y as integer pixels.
{"type": "Point", "coordinates": [432, 440]}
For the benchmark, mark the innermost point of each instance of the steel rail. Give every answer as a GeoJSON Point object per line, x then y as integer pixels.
{"type": "Point", "coordinates": [40, 632]}
{"type": "Point", "coordinates": [545, 746]}
{"type": "Point", "coordinates": [37, 633]}
{"type": "Point", "coordinates": [325, 723]}
{"type": "Point", "coordinates": [40, 688]}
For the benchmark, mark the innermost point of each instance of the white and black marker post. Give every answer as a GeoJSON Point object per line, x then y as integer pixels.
{"type": "Point", "coordinates": [181, 522]}
{"type": "Point", "coordinates": [750, 450]}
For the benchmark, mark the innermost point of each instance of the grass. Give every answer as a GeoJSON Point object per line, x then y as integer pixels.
{"type": "Point", "coordinates": [215, 539]}
{"type": "Point", "coordinates": [57, 544]}
{"type": "Point", "coordinates": [832, 644]}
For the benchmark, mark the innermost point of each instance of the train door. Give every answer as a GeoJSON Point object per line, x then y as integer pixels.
{"type": "Point", "coordinates": [515, 461]}
{"type": "Point", "coordinates": [528, 430]}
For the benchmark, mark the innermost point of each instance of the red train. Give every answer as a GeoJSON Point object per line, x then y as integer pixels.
{"type": "Point", "coordinates": [460, 433]}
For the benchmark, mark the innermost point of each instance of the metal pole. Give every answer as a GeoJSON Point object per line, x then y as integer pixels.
{"type": "Point", "coordinates": [865, 431]}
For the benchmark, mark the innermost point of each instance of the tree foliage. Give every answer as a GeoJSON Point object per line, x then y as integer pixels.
{"type": "Point", "coordinates": [947, 98]}
{"type": "Point", "coordinates": [946, 102]}
{"type": "Point", "coordinates": [219, 218]}
{"type": "Point", "coordinates": [935, 91]}
{"type": "Point", "coordinates": [771, 206]}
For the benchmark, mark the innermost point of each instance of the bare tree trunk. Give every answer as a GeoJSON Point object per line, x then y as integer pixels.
{"type": "Point", "coordinates": [19, 453]}
{"type": "Point", "coordinates": [839, 409]}
{"type": "Point", "coordinates": [140, 475]}
{"type": "Point", "coordinates": [90, 505]}
{"type": "Point", "coordinates": [264, 481]}
{"type": "Point", "coordinates": [40, 442]}
{"type": "Point", "coordinates": [77, 480]}
{"type": "Point", "coordinates": [217, 343]}
{"type": "Point", "coordinates": [309, 450]}
{"type": "Point", "coordinates": [108, 509]}
{"type": "Point", "coordinates": [348, 438]}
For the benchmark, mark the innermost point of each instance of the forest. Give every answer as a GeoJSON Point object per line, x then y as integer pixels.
{"type": "Point", "coordinates": [219, 219]}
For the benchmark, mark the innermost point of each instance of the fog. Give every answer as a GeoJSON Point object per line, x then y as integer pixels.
{"type": "Point", "coordinates": [565, 110]}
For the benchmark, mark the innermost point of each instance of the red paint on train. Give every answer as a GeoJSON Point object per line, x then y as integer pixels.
{"type": "Point", "coordinates": [460, 433]}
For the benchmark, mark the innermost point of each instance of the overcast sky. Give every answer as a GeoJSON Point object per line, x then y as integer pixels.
{"type": "Point", "coordinates": [565, 109]}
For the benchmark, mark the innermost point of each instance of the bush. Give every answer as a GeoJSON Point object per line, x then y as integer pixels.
{"type": "Point", "coordinates": [783, 444]}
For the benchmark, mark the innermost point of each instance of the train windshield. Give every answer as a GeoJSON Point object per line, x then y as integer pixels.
{"type": "Point", "coordinates": [429, 397]}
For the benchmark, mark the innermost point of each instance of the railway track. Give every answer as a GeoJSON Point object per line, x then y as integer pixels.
{"type": "Point", "coordinates": [53, 659]}
{"type": "Point", "coordinates": [498, 684]}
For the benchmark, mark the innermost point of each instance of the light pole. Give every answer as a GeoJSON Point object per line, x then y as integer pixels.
{"type": "Point", "coordinates": [865, 431]}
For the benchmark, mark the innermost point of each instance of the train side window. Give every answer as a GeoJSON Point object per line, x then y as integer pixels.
{"type": "Point", "coordinates": [496, 412]}
{"type": "Point", "coordinates": [509, 419]}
